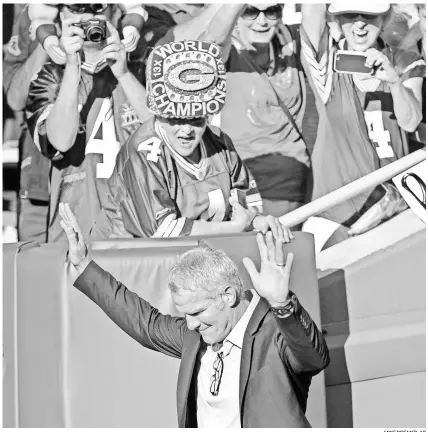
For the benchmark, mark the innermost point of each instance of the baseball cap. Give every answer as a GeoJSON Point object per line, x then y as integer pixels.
{"type": "Point", "coordinates": [186, 79]}
{"type": "Point", "coordinates": [364, 8]}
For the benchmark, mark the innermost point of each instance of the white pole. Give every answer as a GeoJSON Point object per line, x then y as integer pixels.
{"type": "Point", "coordinates": [352, 189]}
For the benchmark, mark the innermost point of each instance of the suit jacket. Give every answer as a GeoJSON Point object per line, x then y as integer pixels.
{"type": "Point", "coordinates": [279, 355]}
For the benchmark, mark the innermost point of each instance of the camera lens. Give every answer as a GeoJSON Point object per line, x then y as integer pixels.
{"type": "Point", "coordinates": [95, 33]}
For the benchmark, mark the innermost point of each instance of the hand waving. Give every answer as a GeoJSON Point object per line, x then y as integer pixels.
{"type": "Point", "coordinates": [77, 250]}
{"type": "Point", "coordinates": [273, 281]}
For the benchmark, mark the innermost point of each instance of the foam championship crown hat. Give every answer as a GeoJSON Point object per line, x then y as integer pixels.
{"type": "Point", "coordinates": [186, 80]}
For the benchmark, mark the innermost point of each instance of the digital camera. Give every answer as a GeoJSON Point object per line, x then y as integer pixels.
{"type": "Point", "coordinates": [95, 29]}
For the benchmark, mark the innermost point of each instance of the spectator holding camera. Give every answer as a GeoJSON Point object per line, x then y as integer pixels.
{"type": "Point", "coordinates": [364, 119]}
{"type": "Point", "coordinates": [79, 114]}
{"type": "Point", "coordinates": [43, 17]}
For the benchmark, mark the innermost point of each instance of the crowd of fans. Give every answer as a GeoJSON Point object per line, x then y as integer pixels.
{"type": "Point", "coordinates": [139, 150]}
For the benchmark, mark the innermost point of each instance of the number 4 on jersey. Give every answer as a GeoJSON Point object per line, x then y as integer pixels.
{"type": "Point", "coordinates": [153, 146]}
{"type": "Point", "coordinates": [103, 140]}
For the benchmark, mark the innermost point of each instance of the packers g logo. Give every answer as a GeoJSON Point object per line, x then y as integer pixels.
{"type": "Point", "coordinates": [191, 76]}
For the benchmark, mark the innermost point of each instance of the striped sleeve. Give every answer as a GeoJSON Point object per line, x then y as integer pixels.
{"type": "Point", "coordinates": [240, 176]}
{"type": "Point", "coordinates": [254, 198]}
{"type": "Point", "coordinates": [174, 228]}
{"type": "Point", "coordinates": [143, 194]}
{"type": "Point", "coordinates": [320, 64]}
{"type": "Point", "coordinates": [42, 95]}
{"type": "Point", "coordinates": [409, 64]}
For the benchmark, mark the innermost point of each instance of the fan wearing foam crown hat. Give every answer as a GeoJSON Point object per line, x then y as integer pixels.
{"type": "Point", "coordinates": [175, 175]}
{"type": "Point", "coordinates": [364, 118]}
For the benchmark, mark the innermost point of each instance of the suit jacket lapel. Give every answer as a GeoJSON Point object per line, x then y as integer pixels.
{"type": "Point", "coordinates": [192, 343]}
{"type": "Point", "coordinates": [259, 313]}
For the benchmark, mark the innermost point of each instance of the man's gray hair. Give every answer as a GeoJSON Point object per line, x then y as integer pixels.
{"type": "Point", "coordinates": [205, 269]}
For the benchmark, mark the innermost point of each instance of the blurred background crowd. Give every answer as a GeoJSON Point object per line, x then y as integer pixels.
{"type": "Point", "coordinates": [299, 152]}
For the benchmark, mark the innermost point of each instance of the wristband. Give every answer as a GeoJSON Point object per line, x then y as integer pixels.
{"type": "Point", "coordinates": [286, 310]}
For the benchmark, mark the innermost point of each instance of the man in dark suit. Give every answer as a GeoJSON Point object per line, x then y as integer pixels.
{"type": "Point", "coordinates": [247, 357]}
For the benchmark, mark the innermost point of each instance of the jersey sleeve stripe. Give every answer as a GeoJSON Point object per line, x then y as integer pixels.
{"type": "Point", "coordinates": [419, 62]}
{"type": "Point", "coordinates": [253, 198]}
{"type": "Point", "coordinates": [178, 228]}
{"type": "Point", "coordinates": [160, 232]}
{"type": "Point", "coordinates": [255, 204]}
{"type": "Point", "coordinates": [42, 118]}
{"type": "Point", "coordinates": [170, 228]}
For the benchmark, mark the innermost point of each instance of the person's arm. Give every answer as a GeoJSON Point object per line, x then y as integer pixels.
{"type": "Point", "coordinates": [301, 345]}
{"type": "Point", "coordinates": [214, 23]}
{"type": "Point", "coordinates": [42, 95]}
{"type": "Point", "coordinates": [197, 25]}
{"type": "Point", "coordinates": [407, 97]}
{"type": "Point", "coordinates": [405, 84]}
{"type": "Point", "coordinates": [314, 22]}
{"type": "Point", "coordinates": [136, 95]}
{"type": "Point", "coordinates": [241, 178]}
{"type": "Point", "coordinates": [130, 312]}
{"type": "Point", "coordinates": [17, 92]}
{"type": "Point", "coordinates": [62, 123]}
{"type": "Point", "coordinates": [220, 27]}
{"type": "Point", "coordinates": [21, 62]}
{"type": "Point", "coordinates": [316, 45]}
{"type": "Point", "coordinates": [116, 56]}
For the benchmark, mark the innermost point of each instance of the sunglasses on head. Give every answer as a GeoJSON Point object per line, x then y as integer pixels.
{"type": "Point", "coordinates": [353, 16]}
{"type": "Point", "coordinates": [87, 8]}
{"type": "Point", "coordinates": [272, 12]}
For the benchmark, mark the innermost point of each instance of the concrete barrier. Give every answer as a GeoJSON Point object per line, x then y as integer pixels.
{"type": "Point", "coordinates": [373, 297]}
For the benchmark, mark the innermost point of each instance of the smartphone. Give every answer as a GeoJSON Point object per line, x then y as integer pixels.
{"type": "Point", "coordinates": [240, 196]}
{"type": "Point", "coordinates": [351, 62]}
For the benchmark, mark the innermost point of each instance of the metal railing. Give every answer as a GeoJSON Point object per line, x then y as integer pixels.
{"type": "Point", "coordinates": [352, 189]}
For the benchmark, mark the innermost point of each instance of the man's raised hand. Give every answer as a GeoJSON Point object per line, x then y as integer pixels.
{"type": "Point", "coordinates": [273, 280]}
{"type": "Point", "coordinates": [77, 250]}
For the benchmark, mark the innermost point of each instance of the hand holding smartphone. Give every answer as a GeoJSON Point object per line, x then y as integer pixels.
{"type": "Point", "coordinates": [240, 196]}
{"type": "Point", "coordinates": [351, 62]}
